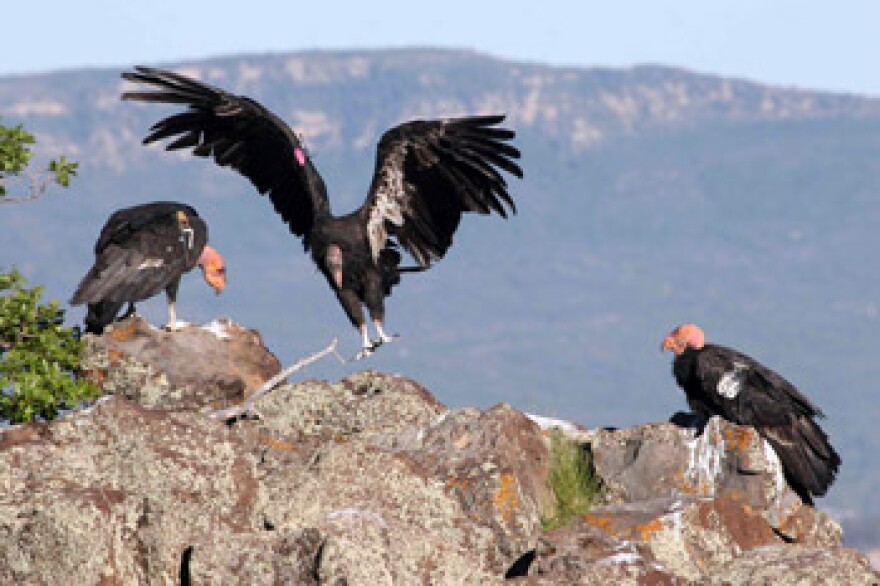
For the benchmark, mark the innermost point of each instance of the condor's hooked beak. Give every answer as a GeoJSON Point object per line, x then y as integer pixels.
{"type": "Point", "coordinates": [213, 269]}
{"type": "Point", "coordinates": [668, 343]}
{"type": "Point", "coordinates": [334, 264]}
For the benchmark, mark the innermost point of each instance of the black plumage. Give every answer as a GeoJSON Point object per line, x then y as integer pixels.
{"type": "Point", "coordinates": [721, 381]}
{"type": "Point", "coordinates": [141, 251]}
{"type": "Point", "coordinates": [428, 173]}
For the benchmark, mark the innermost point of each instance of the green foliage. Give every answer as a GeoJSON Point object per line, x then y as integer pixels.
{"type": "Point", "coordinates": [62, 170]}
{"type": "Point", "coordinates": [573, 481]}
{"type": "Point", "coordinates": [14, 152]}
{"type": "Point", "coordinates": [38, 355]}
{"type": "Point", "coordinates": [15, 155]}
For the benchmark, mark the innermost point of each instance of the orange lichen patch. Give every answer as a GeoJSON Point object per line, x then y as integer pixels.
{"type": "Point", "coordinates": [459, 483]}
{"type": "Point", "coordinates": [121, 333]}
{"type": "Point", "coordinates": [115, 355]}
{"type": "Point", "coordinates": [647, 530]}
{"type": "Point", "coordinates": [623, 526]}
{"type": "Point", "coordinates": [600, 521]}
{"type": "Point", "coordinates": [738, 438]}
{"type": "Point", "coordinates": [278, 444]}
{"type": "Point", "coordinates": [506, 498]}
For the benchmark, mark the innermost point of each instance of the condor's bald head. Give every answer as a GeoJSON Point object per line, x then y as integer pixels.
{"type": "Point", "coordinates": [682, 337]}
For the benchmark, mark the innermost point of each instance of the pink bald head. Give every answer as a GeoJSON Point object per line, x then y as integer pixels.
{"type": "Point", "coordinates": [682, 337]}
{"type": "Point", "coordinates": [213, 268]}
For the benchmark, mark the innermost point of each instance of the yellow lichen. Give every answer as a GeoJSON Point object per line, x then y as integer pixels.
{"type": "Point", "coordinates": [506, 498]}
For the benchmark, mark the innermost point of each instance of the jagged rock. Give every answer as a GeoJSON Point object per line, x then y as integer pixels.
{"type": "Point", "coordinates": [797, 565]}
{"type": "Point", "coordinates": [255, 559]}
{"type": "Point", "coordinates": [474, 480]}
{"type": "Point", "coordinates": [118, 493]}
{"type": "Point", "coordinates": [680, 539]}
{"type": "Point", "coordinates": [372, 481]}
{"type": "Point", "coordinates": [584, 555]}
{"type": "Point", "coordinates": [496, 464]}
{"type": "Point", "coordinates": [184, 369]}
{"type": "Point", "coordinates": [366, 403]}
{"type": "Point", "coordinates": [135, 495]}
{"type": "Point", "coordinates": [666, 460]}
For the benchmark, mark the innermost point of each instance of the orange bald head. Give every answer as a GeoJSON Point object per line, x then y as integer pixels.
{"type": "Point", "coordinates": [213, 269]}
{"type": "Point", "coordinates": [682, 337]}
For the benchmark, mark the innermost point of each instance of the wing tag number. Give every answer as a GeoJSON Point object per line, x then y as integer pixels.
{"type": "Point", "coordinates": [187, 237]}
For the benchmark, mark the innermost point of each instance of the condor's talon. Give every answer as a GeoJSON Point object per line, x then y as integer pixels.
{"type": "Point", "coordinates": [364, 353]}
{"type": "Point", "coordinates": [384, 340]}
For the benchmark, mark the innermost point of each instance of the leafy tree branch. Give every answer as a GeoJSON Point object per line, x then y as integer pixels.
{"type": "Point", "coordinates": [16, 178]}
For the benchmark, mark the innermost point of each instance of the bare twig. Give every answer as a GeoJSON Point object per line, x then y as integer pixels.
{"type": "Point", "coordinates": [246, 406]}
{"type": "Point", "coordinates": [37, 186]}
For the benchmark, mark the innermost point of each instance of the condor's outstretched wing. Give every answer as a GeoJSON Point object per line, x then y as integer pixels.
{"type": "Point", "coordinates": [141, 250]}
{"type": "Point", "coordinates": [430, 172]}
{"type": "Point", "coordinates": [240, 133]}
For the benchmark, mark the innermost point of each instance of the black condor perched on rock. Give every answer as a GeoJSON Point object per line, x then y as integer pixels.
{"type": "Point", "coordinates": [721, 381]}
{"type": "Point", "coordinates": [141, 251]}
{"type": "Point", "coordinates": [427, 174]}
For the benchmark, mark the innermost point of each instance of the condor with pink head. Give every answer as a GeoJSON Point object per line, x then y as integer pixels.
{"type": "Point", "coordinates": [141, 251]}
{"type": "Point", "coordinates": [721, 381]}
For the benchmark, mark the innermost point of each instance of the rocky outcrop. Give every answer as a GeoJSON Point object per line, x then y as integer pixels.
{"type": "Point", "coordinates": [192, 368]}
{"type": "Point", "coordinates": [372, 481]}
{"type": "Point", "coordinates": [725, 460]}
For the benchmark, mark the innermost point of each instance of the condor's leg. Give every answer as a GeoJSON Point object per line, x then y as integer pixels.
{"type": "Point", "coordinates": [171, 293]}
{"type": "Point", "coordinates": [130, 311]}
{"type": "Point", "coordinates": [352, 306]}
{"type": "Point", "coordinates": [374, 299]}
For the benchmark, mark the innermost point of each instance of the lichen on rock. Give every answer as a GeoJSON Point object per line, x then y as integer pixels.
{"type": "Point", "coordinates": [371, 480]}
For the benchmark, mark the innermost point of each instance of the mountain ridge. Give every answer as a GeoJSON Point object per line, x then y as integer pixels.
{"type": "Point", "coordinates": [652, 196]}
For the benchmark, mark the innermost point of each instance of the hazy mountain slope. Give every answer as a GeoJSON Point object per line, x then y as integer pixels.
{"type": "Point", "coordinates": [652, 196]}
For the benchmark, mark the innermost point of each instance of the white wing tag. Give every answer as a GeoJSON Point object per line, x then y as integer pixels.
{"type": "Point", "coordinates": [731, 383]}
{"type": "Point", "coordinates": [151, 263]}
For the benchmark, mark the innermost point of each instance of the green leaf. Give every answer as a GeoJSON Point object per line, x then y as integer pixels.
{"type": "Point", "coordinates": [39, 356]}
{"type": "Point", "coordinates": [15, 156]}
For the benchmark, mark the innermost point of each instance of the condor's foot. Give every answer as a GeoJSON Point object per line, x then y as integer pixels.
{"type": "Point", "coordinates": [384, 339]}
{"type": "Point", "coordinates": [374, 345]}
{"type": "Point", "coordinates": [364, 353]}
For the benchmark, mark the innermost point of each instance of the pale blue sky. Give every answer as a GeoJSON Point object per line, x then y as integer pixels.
{"type": "Point", "coordinates": [822, 45]}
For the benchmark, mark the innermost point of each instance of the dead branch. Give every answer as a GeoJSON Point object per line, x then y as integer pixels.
{"type": "Point", "coordinates": [238, 411]}
{"type": "Point", "coordinates": [38, 184]}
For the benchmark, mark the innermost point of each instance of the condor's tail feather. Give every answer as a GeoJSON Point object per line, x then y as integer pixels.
{"type": "Point", "coordinates": [808, 459]}
{"type": "Point", "coordinates": [101, 314]}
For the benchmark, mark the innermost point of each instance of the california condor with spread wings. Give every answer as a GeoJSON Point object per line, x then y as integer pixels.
{"type": "Point", "coordinates": [141, 251]}
{"type": "Point", "coordinates": [428, 173]}
{"type": "Point", "coordinates": [721, 381]}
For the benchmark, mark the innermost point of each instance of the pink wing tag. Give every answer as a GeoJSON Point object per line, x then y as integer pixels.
{"type": "Point", "coordinates": [300, 157]}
